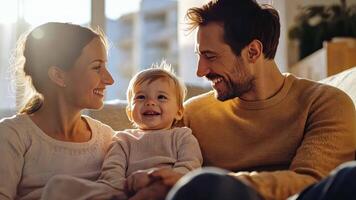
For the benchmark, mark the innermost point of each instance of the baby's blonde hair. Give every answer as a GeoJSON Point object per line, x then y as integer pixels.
{"type": "Point", "coordinates": [157, 71]}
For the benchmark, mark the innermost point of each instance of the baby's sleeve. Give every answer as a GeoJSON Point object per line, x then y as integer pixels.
{"type": "Point", "coordinates": [189, 156]}
{"type": "Point", "coordinates": [114, 167]}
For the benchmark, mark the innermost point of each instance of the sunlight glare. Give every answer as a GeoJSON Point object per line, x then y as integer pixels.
{"type": "Point", "coordinates": [41, 11]}
{"type": "Point", "coordinates": [8, 13]}
{"type": "Point", "coordinates": [115, 8]}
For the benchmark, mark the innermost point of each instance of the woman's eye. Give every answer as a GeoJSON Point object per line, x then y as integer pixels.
{"type": "Point", "coordinates": [97, 68]}
{"type": "Point", "coordinates": [162, 97]}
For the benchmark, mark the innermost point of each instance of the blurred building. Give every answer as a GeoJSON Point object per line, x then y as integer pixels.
{"type": "Point", "coordinates": [140, 39]}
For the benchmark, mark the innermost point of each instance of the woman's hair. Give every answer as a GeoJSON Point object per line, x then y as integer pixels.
{"type": "Point", "coordinates": [243, 21]}
{"type": "Point", "coordinates": [157, 71]}
{"type": "Point", "coordinates": [50, 44]}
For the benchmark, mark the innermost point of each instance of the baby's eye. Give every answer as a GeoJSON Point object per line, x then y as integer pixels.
{"type": "Point", "coordinates": [140, 97]}
{"type": "Point", "coordinates": [161, 97]}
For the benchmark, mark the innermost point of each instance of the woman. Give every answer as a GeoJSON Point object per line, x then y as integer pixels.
{"type": "Point", "coordinates": [66, 65]}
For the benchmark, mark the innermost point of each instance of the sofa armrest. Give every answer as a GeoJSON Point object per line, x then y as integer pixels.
{"type": "Point", "coordinates": [113, 114]}
{"type": "Point", "coordinates": [346, 81]}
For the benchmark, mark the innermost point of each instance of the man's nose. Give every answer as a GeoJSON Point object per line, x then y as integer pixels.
{"type": "Point", "coordinates": [203, 68]}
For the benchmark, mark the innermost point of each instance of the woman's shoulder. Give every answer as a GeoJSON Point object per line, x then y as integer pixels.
{"type": "Point", "coordinates": [94, 123]}
{"type": "Point", "coordinates": [12, 120]}
{"type": "Point", "coordinates": [15, 128]}
{"type": "Point", "coordinates": [99, 129]}
{"type": "Point", "coordinates": [16, 122]}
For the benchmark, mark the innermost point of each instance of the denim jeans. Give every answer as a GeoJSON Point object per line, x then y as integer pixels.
{"type": "Point", "coordinates": [340, 185]}
{"type": "Point", "coordinates": [211, 184]}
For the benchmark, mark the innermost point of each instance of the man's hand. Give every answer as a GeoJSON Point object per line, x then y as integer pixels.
{"type": "Point", "coordinates": [162, 180]}
{"type": "Point", "coordinates": [167, 176]}
{"type": "Point", "coordinates": [138, 180]}
{"type": "Point", "coordinates": [155, 191]}
{"type": "Point", "coordinates": [243, 176]}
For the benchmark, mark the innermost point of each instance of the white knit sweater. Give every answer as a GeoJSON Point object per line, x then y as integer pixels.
{"type": "Point", "coordinates": [29, 157]}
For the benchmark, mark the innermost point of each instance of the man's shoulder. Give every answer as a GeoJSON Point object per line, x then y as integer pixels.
{"type": "Point", "coordinates": [314, 88]}
{"type": "Point", "coordinates": [320, 94]}
{"type": "Point", "coordinates": [199, 99]}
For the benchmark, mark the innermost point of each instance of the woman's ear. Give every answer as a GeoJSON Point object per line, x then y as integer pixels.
{"type": "Point", "coordinates": [57, 76]}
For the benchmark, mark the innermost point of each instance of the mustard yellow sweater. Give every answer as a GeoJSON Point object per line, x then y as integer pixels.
{"type": "Point", "coordinates": [286, 142]}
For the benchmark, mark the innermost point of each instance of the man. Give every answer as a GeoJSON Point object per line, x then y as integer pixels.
{"type": "Point", "coordinates": [276, 132]}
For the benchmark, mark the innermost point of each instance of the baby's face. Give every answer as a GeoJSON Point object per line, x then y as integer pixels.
{"type": "Point", "coordinates": [154, 105]}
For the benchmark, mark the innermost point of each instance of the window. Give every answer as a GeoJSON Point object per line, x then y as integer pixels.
{"type": "Point", "coordinates": [18, 16]}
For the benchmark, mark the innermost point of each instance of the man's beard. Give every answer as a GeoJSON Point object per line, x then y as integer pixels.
{"type": "Point", "coordinates": [234, 89]}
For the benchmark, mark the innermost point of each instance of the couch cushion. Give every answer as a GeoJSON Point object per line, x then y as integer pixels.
{"type": "Point", "coordinates": [345, 81]}
{"type": "Point", "coordinates": [113, 114]}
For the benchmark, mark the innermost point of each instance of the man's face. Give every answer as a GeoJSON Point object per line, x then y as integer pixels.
{"type": "Point", "coordinates": [229, 75]}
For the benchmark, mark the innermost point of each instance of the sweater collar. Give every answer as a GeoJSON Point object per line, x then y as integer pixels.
{"type": "Point", "coordinates": [256, 105]}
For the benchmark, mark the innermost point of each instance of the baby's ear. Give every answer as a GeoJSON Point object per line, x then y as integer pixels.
{"type": "Point", "coordinates": [178, 119]}
{"type": "Point", "coordinates": [129, 112]}
{"type": "Point", "coordinates": [179, 114]}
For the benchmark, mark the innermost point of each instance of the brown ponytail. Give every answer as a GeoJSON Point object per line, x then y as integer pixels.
{"type": "Point", "coordinates": [32, 105]}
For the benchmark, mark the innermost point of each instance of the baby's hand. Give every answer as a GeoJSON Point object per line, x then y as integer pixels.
{"type": "Point", "coordinates": [138, 180]}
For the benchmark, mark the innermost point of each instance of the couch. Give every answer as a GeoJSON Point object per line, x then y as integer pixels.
{"type": "Point", "coordinates": [114, 114]}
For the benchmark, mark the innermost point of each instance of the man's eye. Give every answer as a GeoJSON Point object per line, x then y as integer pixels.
{"type": "Point", "coordinates": [162, 97]}
{"type": "Point", "coordinates": [140, 97]}
{"type": "Point", "coordinates": [210, 57]}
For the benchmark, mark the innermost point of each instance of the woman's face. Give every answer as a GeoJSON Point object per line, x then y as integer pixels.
{"type": "Point", "coordinates": [87, 80]}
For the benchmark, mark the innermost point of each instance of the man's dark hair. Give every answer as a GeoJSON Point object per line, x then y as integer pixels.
{"type": "Point", "coordinates": [243, 21]}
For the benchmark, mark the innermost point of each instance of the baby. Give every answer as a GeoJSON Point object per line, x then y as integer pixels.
{"type": "Point", "coordinates": [155, 103]}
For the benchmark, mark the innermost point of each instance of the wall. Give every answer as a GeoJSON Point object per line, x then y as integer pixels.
{"type": "Point", "coordinates": [293, 8]}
